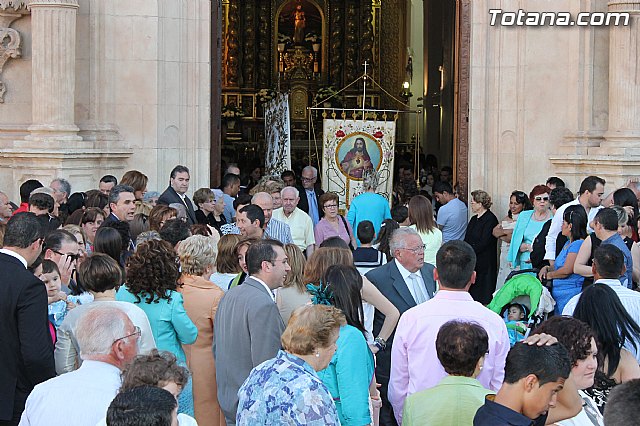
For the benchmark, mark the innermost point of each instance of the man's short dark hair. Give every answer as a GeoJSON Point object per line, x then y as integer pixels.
{"type": "Point", "coordinates": [27, 187]}
{"type": "Point", "coordinates": [608, 218]}
{"type": "Point", "coordinates": [241, 200]}
{"type": "Point", "coordinates": [287, 173]}
{"type": "Point", "coordinates": [22, 230]}
{"type": "Point", "coordinates": [142, 406]}
{"type": "Point", "coordinates": [99, 273]}
{"type": "Point", "coordinates": [178, 169]}
{"type": "Point", "coordinates": [57, 238]}
{"type": "Point", "coordinates": [229, 179]}
{"type": "Point", "coordinates": [366, 233]}
{"type": "Point", "coordinates": [609, 261]}
{"type": "Point", "coordinates": [109, 179]}
{"type": "Point", "coordinates": [114, 195]}
{"type": "Point", "coordinates": [460, 345]}
{"type": "Point", "coordinates": [262, 251]}
{"type": "Point", "coordinates": [623, 404]}
{"type": "Point", "coordinates": [559, 196]}
{"type": "Point", "coordinates": [254, 213]}
{"type": "Point", "coordinates": [589, 184]}
{"type": "Point", "coordinates": [554, 180]}
{"type": "Point", "coordinates": [456, 262]}
{"type": "Point", "coordinates": [441, 187]}
{"type": "Point", "coordinates": [399, 213]}
{"type": "Point", "coordinates": [174, 231]}
{"type": "Point", "coordinates": [548, 363]}
{"type": "Point", "coordinates": [42, 201]}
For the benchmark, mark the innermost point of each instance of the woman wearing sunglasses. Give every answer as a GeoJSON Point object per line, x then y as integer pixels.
{"type": "Point", "coordinates": [528, 226]}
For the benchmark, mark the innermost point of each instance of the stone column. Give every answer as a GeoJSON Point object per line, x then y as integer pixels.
{"type": "Point", "coordinates": [623, 135]}
{"type": "Point", "coordinates": [53, 26]}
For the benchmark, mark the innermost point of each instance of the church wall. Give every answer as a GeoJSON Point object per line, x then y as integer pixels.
{"type": "Point", "coordinates": [536, 93]}
{"type": "Point", "coordinates": [142, 94]}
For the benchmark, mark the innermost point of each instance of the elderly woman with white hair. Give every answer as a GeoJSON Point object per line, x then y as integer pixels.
{"type": "Point", "coordinates": [369, 205]}
{"type": "Point", "coordinates": [201, 297]}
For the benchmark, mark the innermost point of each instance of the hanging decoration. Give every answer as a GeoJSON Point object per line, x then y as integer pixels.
{"type": "Point", "coordinates": [354, 148]}
{"type": "Point", "coordinates": [277, 135]}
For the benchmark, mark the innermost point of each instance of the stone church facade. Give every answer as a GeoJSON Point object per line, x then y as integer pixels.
{"type": "Point", "coordinates": [89, 87]}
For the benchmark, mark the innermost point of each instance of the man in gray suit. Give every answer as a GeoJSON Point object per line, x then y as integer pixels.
{"type": "Point", "coordinates": [248, 325]}
{"type": "Point", "coordinates": [406, 281]}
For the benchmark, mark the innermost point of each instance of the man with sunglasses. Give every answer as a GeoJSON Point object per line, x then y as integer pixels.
{"type": "Point", "coordinates": [108, 341]}
{"type": "Point", "coordinates": [62, 247]}
{"type": "Point", "coordinates": [27, 349]}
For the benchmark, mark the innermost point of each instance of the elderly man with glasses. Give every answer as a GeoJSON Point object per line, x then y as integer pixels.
{"type": "Point", "coordinates": [406, 281]}
{"type": "Point", "coordinates": [309, 194]}
{"type": "Point", "coordinates": [108, 341]}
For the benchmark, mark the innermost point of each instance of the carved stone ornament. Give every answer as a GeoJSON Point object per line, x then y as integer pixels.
{"type": "Point", "coordinates": [10, 40]}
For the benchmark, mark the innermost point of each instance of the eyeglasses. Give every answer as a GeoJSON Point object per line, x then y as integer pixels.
{"type": "Point", "coordinates": [284, 261]}
{"type": "Point", "coordinates": [417, 250]}
{"type": "Point", "coordinates": [136, 332]}
{"type": "Point", "coordinates": [308, 179]}
{"type": "Point", "coordinates": [330, 206]}
{"type": "Point", "coordinates": [73, 257]}
{"type": "Point", "coordinates": [541, 198]}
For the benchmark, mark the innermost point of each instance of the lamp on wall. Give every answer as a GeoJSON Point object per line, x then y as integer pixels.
{"type": "Point", "coordinates": [406, 92]}
{"type": "Point", "coordinates": [280, 57]}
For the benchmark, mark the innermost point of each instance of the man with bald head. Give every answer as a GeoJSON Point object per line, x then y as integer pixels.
{"type": "Point", "coordinates": [5, 207]}
{"type": "Point", "coordinates": [299, 222]}
{"type": "Point", "coordinates": [108, 341]}
{"type": "Point", "coordinates": [274, 228]}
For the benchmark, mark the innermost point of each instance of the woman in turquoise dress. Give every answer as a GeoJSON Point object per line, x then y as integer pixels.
{"type": "Point", "coordinates": [567, 284]}
{"type": "Point", "coordinates": [528, 226]}
{"type": "Point", "coordinates": [152, 282]}
{"type": "Point", "coordinates": [349, 375]}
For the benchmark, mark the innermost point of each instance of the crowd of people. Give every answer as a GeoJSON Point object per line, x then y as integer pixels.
{"type": "Point", "coordinates": [277, 304]}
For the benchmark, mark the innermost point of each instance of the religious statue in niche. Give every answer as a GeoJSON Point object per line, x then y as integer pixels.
{"type": "Point", "coordinates": [299, 24]}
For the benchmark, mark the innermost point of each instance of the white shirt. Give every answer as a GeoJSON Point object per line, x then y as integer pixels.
{"type": "Point", "coordinates": [79, 398]}
{"type": "Point", "coordinates": [16, 255]}
{"type": "Point", "coordinates": [405, 276]}
{"type": "Point", "coordinates": [556, 227]}
{"type": "Point", "coordinates": [630, 300]}
{"type": "Point", "coordinates": [273, 296]}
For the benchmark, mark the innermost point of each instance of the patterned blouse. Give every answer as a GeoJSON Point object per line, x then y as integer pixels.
{"type": "Point", "coordinates": [285, 390]}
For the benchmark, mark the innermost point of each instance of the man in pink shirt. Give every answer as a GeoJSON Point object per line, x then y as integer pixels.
{"type": "Point", "coordinates": [414, 361]}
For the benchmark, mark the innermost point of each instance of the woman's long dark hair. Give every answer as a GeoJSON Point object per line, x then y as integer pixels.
{"type": "Point", "coordinates": [386, 229]}
{"type": "Point", "coordinates": [345, 284]}
{"type": "Point", "coordinates": [624, 197]}
{"type": "Point", "coordinates": [576, 216]}
{"type": "Point", "coordinates": [600, 307]}
{"type": "Point", "coordinates": [521, 198]}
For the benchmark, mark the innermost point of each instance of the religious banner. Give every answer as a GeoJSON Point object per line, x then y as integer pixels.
{"type": "Point", "coordinates": [353, 149]}
{"type": "Point", "coordinates": [277, 135]}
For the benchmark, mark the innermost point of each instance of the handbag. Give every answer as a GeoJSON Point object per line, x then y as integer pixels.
{"type": "Point", "coordinates": [344, 222]}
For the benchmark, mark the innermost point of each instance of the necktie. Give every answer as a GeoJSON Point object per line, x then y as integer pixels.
{"type": "Point", "coordinates": [313, 207]}
{"type": "Point", "coordinates": [417, 289]}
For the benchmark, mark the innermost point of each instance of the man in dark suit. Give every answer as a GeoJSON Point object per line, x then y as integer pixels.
{"type": "Point", "coordinates": [406, 281]}
{"type": "Point", "coordinates": [248, 325]}
{"type": "Point", "coordinates": [177, 192]}
{"type": "Point", "coordinates": [309, 195]}
{"type": "Point", "coordinates": [27, 350]}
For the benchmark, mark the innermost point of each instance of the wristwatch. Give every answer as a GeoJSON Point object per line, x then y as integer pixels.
{"type": "Point", "coordinates": [380, 343]}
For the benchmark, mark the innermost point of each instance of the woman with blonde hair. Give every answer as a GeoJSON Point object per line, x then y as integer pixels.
{"type": "Point", "coordinates": [227, 266]}
{"type": "Point", "coordinates": [422, 220]}
{"type": "Point", "coordinates": [293, 293]}
{"type": "Point", "coordinates": [317, 265]}
{"type": "Point", "coordinates": [480, 236]}
{"type": "Point", "coordinates": [201, 297]}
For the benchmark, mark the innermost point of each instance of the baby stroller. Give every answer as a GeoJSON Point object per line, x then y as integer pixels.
{"type": "Point", "coordinates": [524, 288]}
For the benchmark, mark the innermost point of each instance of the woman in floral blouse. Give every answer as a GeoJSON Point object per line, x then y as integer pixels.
{"type": "Point", "coordinates": [286, 389]}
